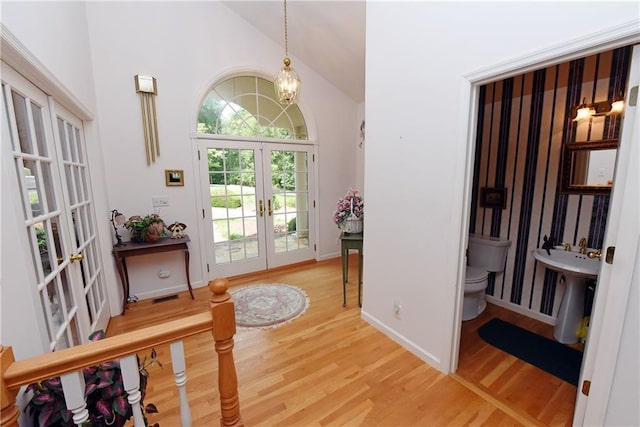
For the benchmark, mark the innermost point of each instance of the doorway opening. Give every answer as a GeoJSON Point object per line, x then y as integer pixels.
{"type": "Point", "coordinates": [525, 219]}
{"type": "Point", "coordinates": [257, 171]}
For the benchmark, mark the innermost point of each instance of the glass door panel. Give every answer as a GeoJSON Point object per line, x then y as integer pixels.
{"type": "Point", "coordinates": [259, 205]}
{"type": "Point", "coordinates": [289, 203]}
{"type": "Point", "coordinates": [236, 216]}
{"type": "Point", "coordinates": [82, 217]}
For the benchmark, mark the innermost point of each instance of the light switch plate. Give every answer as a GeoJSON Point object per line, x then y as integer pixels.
{"type": "Point", "coordinates": [160, 201]}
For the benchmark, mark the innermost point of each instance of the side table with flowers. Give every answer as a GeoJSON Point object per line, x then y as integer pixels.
{"type": "Point", "coordinates": [349, 213]}
{"type": "Point", "coordinates": [149, 228]}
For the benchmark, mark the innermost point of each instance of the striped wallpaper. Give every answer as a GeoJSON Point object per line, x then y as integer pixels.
{"type": "Point", "coordinates": [522, 123]}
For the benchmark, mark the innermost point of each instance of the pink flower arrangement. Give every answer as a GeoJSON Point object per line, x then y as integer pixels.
{"type": "Point", "coordinates": [349, 207]}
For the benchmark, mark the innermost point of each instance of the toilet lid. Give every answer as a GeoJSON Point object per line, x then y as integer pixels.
{"type": "Point", "coordinates": [475, 275]}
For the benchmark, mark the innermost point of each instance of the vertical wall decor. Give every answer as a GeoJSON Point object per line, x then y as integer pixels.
{"type": "Point", "coordinates": [147, 88]}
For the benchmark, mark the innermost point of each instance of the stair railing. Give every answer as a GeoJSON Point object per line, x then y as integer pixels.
{"type": "Point", "coordinates": [68, 363]}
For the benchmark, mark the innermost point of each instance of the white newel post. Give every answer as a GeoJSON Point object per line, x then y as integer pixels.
{"type": "Point", "coordinates": [131, 380]}
{"type": "Point", "coordinates": [73, 389]}
{"type": "Point", "coordinates": [180, 373]}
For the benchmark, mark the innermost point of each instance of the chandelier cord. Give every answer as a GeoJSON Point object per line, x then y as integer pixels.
{"type": "Point", "coordinates": [286, 36]}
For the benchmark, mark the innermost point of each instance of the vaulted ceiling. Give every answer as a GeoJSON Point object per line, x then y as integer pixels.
{"type": "Point", "coordinates": [328, 36]}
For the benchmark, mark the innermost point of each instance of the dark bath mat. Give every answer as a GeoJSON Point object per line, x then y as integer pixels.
{"type": "Point", "coordinates": [551, 356]}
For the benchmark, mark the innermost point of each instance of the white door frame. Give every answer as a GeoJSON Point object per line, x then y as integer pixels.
{"type": "Point", "coordinates": [601, 352]}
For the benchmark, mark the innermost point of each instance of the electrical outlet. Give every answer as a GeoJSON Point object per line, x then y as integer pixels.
{"type": "Point", "coordinates": [160, 201]}
{"type": "Point", "coordinates": [397, 308]}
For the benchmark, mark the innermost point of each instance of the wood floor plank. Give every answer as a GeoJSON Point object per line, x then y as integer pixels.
{"type": "Point", "coordinates": [330, 368]}
{"type": "Point", "coordinates": [530, 390]}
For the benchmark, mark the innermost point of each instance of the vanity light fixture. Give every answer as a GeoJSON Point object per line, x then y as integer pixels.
{"type": "Point", "coordinates": [287, 83]}
{"type": "Point", "coordinates": [602, 108]}
{"type": "Point", "coordinates": [617, 106]}
{"type": "Point", "coordinates": [583, 111]}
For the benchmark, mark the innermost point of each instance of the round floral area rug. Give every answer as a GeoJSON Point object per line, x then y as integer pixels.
{"type": "Point", "coordinates": [268, 305]}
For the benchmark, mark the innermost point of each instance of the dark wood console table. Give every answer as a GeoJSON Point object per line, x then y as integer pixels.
{"type": "Point", "coordinates": [129, 249]}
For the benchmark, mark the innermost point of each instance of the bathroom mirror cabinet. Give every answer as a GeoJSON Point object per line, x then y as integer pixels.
{"type": "Point", "coordinates": [588, 166]}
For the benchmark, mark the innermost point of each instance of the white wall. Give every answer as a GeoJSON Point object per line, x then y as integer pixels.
{"type": "Point", "coordinates": [417, 117]}
{"type": "Point", "coordinates": [187, 46]}
{"type": "Point", "coordinates": [56, 33]}
{"type": "Point", "coordinates": [94, 49]}
{"type": "Point", "coordinates": [361, 141]}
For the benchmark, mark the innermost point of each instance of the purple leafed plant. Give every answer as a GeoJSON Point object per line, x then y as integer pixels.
{"type": "Point", "coordinates": [104, 393]}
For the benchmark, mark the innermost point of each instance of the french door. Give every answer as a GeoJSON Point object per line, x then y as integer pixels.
{"type": "Point", "coordinates": [53, 189]}
{"type": "Point", "coordinates": [261, 205]}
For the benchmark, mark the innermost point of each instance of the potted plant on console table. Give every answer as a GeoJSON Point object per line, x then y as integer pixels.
{"type": "Point", "coordinates": [149, 228]}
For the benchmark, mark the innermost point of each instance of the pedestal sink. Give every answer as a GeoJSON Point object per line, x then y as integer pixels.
{"type": "Point", "coordinates": [577, 269]}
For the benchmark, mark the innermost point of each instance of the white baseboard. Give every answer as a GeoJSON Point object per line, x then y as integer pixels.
{"type": "Point", "coordinates": [520, 310]}
{"type": "Point", "coordinates": [328, 256]}
{"type": "Point", "coordinates": [167, 291]}
{"type": "Point", "coordinates": [404, 342]}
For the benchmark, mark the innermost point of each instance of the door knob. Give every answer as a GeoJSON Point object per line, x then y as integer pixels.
{"type": "Point", "coordinates": [76, 257]}
{"type": "Point", "coordinates": [269, 206]}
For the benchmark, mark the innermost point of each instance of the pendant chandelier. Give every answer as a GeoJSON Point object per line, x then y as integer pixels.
{"type": "Point", "coordinates": [287, 83]}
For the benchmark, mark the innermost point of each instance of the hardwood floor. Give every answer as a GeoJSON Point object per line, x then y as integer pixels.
{"type": "Point", "coordinates": [329, 367]}
{"type": "Point", "coordinates": [541, 397]}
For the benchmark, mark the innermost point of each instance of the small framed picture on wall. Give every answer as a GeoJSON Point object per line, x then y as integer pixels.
{"type": "Point", "coordinates": [493, 197]}
{"type": "Point", "coordinates": [174, 177]}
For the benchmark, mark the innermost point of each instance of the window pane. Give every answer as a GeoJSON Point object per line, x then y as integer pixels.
{"type": "Point", "coordinates": [72, 146]}
{"type": "Point", "coordinates": [38, 125]}
{"type": "Point", "coordinates": [78, 145]}
{"type": "Point", "coordinates": [48, 186]}
{"type": "Point", "coordinates": [22, 123]}
{"type": "Point", "coordinates": [70, 184]}
{"type": "Point", "coordinates": [248, 106]}
{"type": "Point", "coordinates": [32, 182]}
{"type": "Point", "coordinates": [64, 142]}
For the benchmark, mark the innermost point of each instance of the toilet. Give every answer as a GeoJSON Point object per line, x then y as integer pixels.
{"type": "Point", "coordinates": [486, 254]}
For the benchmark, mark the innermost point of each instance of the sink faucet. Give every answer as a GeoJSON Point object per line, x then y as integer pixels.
{"type": "Point", "coordinates": [583, 245]}
{"type": "Point", "coordinates": [597, 254]}
{"type": "Point", "coordinates": [566, 246]}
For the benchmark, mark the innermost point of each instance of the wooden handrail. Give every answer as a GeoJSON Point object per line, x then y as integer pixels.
{"type": "Point", "coordinates": [220, 320]}
{"type": "Point", "coordinates": [49, 365]}
{"type": "Point", "coordinates": [8, 410]}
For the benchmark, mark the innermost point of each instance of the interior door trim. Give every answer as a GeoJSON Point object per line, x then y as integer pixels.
{"type": "Point", "coordinates": [21, 59]}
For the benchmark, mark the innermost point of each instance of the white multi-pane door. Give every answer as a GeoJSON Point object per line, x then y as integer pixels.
{"type": "Point", "coordinates": [53, 191]}
{"type": "Point", "coordinates": [79, 204]}
{"type": "Point", "coordinates": [260, 203]}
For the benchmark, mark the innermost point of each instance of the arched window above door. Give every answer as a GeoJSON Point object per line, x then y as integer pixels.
{"type": "Point", "coordinates": [247, 106]}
